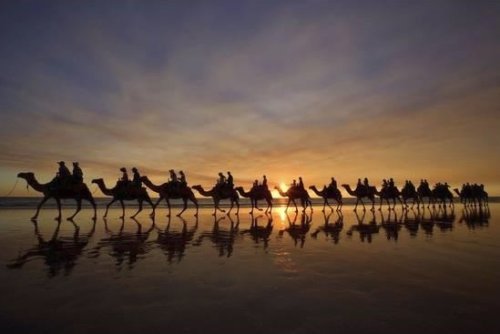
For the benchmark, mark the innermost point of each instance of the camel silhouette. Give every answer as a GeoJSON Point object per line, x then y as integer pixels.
{"type": "Point", "coordinates": [391, 193]}
{"type": "Point", "coordinates": [327, 193]}
{"type": "Point", "coordinates": [441, 194]}
{"type": "Point", "coordinates": [78, 192]}
{"type": "Point", "coordinates": [127, 193]}
{"type": "Point", "coordinates": [360, 194]}
{"type": "Point", "coordinates": [408, 193]}
{"type": "Point", "coordinates": [169, 191]}
{"type": "Point", "coordinates": [424, 191]}
{"type": "Point", "coordinates": [295, 193]}
{"type": "Point", "coordinates": [218, 194]}
{"type": "Point", "coordinates": [255, 194]}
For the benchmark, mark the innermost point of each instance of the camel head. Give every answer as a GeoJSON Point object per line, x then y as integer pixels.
{"type": "Point", "coordinates": [196, 186]}
{"type": "Point", "coordinates": [97, 181]}
{"type": "Point", "coordinates": [144, 178]}
{"type": "Point", "coordinates": [26, 176]}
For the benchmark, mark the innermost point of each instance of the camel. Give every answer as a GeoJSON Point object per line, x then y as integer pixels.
{"type": "Point", "coordinates": [169, 191]}
{"type": "Point", "coordinates": [407, 193]}
{"type": "Point", "coordinates": [387, 194]}
{"type": "Point", "coordinates": [255, 194]}
{"type": "Point", "coordinates": [360, 193]}
{"type": "Point", "coordinates": [293, 194]}
{"type": "Point", "coordinates": [120, 193]}
{"type": "Point", "coordinates": [77, 192]}
{"type": "Point", "coordinates": [327, 193]}
{"type": "Point", "coordinates": [218, 194]}
{"type": "Point", "coordinates": [441, 193]}
{"type": "Point", "coordinates": [424, 191]}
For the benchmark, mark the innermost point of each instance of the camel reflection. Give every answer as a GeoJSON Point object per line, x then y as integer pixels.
{"type": "Point", "coordinates": [412, 223]}
{"type": "Point", "coordinates": [443, 218]}
{"type": "Point", "coordinates": [391, 225]}
{"type": "Point", "coordinates": [60, 253]}
{"type": "Point", "coordinates": [222, 239]}
{"type": "Point", "coordinates": [365, 231]}
{"type": "Point", "coordinates": [331, 231]}
{"type": "Point", "coordinates": [297, 232]}
{"type": "Point", "coordinates": [173, 243]}
{"type": "Point", "coordinates": [125, 247]}
{"type": "Point", "coordinates": [260, 233]}
{"type": "Point", "coordinates": [475, 217]}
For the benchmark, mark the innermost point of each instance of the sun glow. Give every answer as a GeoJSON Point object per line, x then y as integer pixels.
{"type": "Point", "coordinates": [283, 186]}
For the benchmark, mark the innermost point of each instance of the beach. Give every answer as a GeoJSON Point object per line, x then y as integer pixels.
{"type": "Point", "coordinates": [435, 271]}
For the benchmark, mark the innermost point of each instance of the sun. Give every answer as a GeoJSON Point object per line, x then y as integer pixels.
{"type": "Point", "coordinates": [283, 186]}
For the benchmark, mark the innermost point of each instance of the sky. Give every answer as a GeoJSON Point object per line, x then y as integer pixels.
{"type": "Point", "coordinates": [350, 89]}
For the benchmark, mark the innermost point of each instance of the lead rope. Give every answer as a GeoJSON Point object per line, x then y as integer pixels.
{"type": "Point", "coordinates": [13, 188]}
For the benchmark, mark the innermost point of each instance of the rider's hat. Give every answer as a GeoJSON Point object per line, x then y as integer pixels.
{"type": "Point", "coordinates": [61, 162]}
{"type": "Point", "coordinates": [123, 169]}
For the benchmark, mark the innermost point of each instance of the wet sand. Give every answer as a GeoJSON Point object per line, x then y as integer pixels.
{"type": "Point", "coordinates": [437, 272]}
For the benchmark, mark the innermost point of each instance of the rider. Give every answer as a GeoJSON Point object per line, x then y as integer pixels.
{"type": "Point", "coordinates": [77, 173]}
{"type": "Point", "coordinates": [222, 180]}
{"type": "Point", "coordinates": [173, 176]}
{"type": "Point", "coordinates": [183, 179]}
{"type": "Point", "coordinates": [365, 184]}
{"type": "Point", "coordinates": [136, 181]}
{"type": "Point", "coordinates": [301, 183]}
{"type": "Point", "coordinates": [294, 184]}
{"type": "Point", "coordinates": [230, 182]}
{"type": "Point", "coordinates": [63, 172]}
{"type": "Point", "coordinates": [264, 182]}
{"type": "Point", "coordinates": [333, 184]}
{"type": "Point", "coordinates": [124, 179]}
{"type": "Point", "coordinates": [359, 185]}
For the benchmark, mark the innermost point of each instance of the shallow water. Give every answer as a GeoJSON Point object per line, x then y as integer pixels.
{"type": "Point", "coordinates": [436, 272]}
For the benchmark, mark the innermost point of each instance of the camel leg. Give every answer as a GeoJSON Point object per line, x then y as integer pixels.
{"type": "Point", "coordinates": [373, 204]}
{"type": "Point", "coordinates": [168, 206]}
{"type": "Point", "coordinates": [287, 205]}
{"type": "Point", "coordinates": [91, 200]}
{"type": "Point", "coordinates": [123, 209]}
{"type": "Point", "coordinates": [138, 210]}
{"type": "Point", "coordinates": [150, 202]}
{"type": "Point", "coordinates": [107, 207]}
{"type": "Point", "coordinates": [327, 203]}
{"type": "Point", "coordinates": [78, 208]}
{"type": "Point", "coordinates": [158, 201]}
{"type": "Point", "coordinates": [196, 204]}
{"type": "Point", "coordinates": [39, 207]}
{"type": "Point", "coordinates": [356, 206]}
{"type": "Point", "coordinates": [58, 202]}
{"type": "Point", "coordinates": [269, 206]}
{"type": "Point", "coordinates": [237, 207]}
{"type": "Point", "coordinates": [252, 204]}
{"type": "Point", "coordinates": [184, 208]}
{"type": "Point", "coordinates": [295, 204]}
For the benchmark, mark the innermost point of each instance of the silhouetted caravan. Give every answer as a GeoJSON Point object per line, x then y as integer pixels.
{"type": "Point", "coordinates": [172, 190]}
{"type": "Point", "coordinates": [388, 192]}
{"type": "Point", "coordinates": [60, 190]}
{"type": "Point", "coordinates": [409, 193]}
{"type": "Point", "coordinates": [125, 191]}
